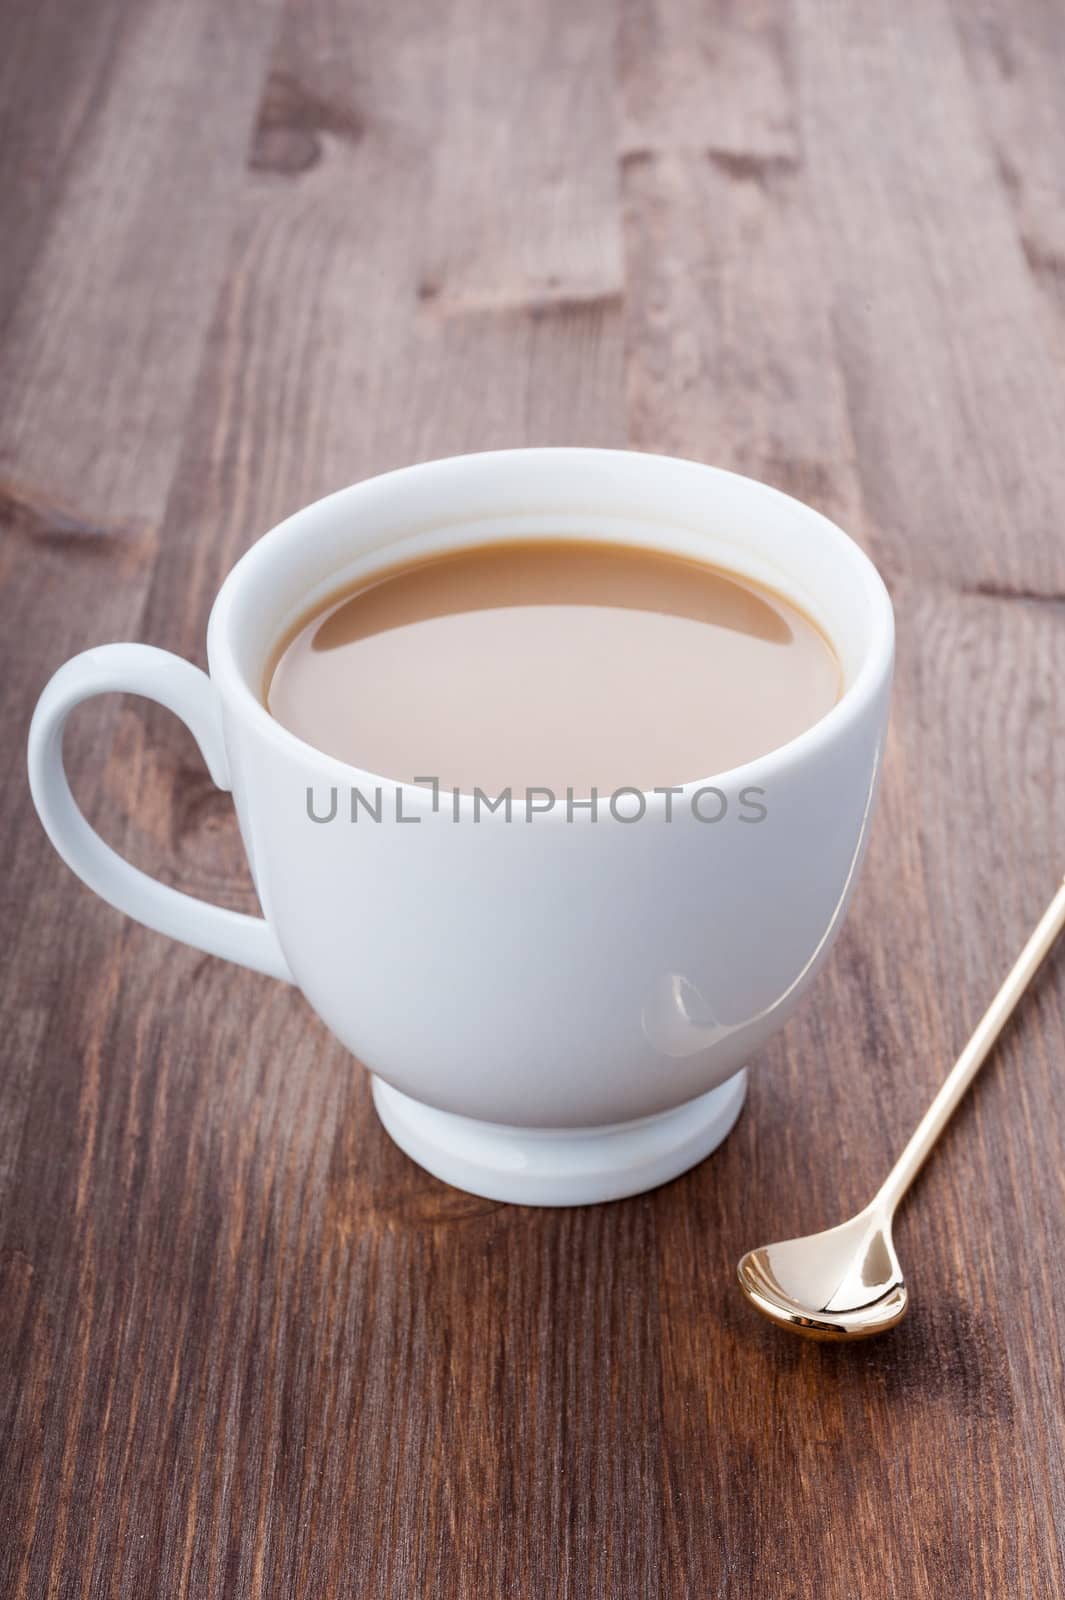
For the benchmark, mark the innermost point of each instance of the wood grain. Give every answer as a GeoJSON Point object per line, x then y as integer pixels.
{"type": "Point", "coordinates": [259, 251]}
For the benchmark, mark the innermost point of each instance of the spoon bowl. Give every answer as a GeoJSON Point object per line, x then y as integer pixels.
{"type": "Point", "coordinates": [845, 1283]}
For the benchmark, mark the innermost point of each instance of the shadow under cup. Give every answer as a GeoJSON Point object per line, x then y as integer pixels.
{"type": "Point", "coordinates": [556, 1009]}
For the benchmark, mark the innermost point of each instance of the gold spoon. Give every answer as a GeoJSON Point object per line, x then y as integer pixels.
{"type": "Point", "coordinates": [846, 1283]}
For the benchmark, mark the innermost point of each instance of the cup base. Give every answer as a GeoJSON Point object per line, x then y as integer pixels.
{"type": "Point", "coordinates": [560, 1166]}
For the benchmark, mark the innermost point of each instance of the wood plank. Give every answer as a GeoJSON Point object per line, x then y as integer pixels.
{"type": "Point", "coordinates": [40, 133]}
{"type": "Point", "coordinates": [709, 237]}
{"type": "Point", "coordinates": [1013, 67]}
{"type": "Point", "coordinates": [945, 344]}
{"type": "Point", "coordinates": [708, 75]}
{"type": "Point", "coordinates": [127, 237]}
{"type": "Point", "coordinates": [105, 340]}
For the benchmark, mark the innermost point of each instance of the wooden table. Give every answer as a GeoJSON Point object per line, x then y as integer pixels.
{"type": "Point", "coordinates": [254, 251]}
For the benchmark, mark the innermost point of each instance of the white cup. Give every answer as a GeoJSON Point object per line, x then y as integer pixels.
{"type": "Point", "coordinates": [556, 1008]}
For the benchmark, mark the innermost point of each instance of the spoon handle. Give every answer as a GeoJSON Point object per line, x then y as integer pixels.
{"type": "Point", "coordinates": [973, 1056]}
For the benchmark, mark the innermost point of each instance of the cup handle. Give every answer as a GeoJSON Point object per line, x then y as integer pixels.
{"type": "Point", "coordinates": [190, 695]}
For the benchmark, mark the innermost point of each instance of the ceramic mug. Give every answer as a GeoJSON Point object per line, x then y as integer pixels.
{"type": "Point", "coordinates": [556, 1007]}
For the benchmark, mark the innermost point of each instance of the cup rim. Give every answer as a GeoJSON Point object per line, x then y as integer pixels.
{"type": "Point", "coordinates": [874, 672]}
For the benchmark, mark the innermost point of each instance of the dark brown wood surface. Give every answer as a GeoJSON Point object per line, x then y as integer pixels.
{"type": "Point", "coordinates": [257, 250]}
